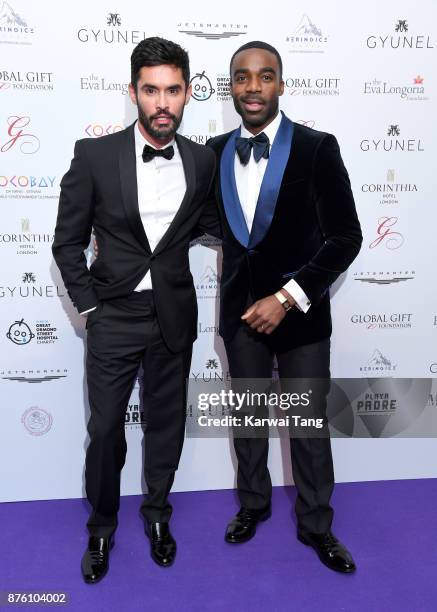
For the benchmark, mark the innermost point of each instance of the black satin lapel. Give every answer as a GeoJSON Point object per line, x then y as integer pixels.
{"type": "Point", "coordinates": [190, 179]}
{"type": "Point", "coordinates": [129, 189]}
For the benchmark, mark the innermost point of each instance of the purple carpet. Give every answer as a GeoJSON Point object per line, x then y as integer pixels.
{"type": "Point", "coordinates": [390, 527]}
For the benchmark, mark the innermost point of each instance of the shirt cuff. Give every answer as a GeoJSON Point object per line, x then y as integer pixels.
{"type": "Point", "coordinates": [90, 309]}
{"type": "Point", "coordinates": [298, 295]}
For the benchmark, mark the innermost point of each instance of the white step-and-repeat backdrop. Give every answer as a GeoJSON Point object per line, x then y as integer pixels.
{"type": "Point", "coordinates": [364, 71]}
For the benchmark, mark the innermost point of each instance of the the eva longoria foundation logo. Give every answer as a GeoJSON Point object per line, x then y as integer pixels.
{"type": "Point", "coordinates": [413, 90]}
{"type": "Point", "coordinates": [96, 83]}
{"type": "Point", "coordinates": [211, 30]}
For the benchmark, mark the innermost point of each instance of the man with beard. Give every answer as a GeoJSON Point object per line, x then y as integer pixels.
{"type": "Point", "coordinates": [142, 190]}
{"type": "Point", "coordinates": [289, 229]}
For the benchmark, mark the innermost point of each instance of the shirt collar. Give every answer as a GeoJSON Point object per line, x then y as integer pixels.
{"type": "Point", "coordinates": [140, 141]}
{"type": "Point", "coordinates": [269, 131]}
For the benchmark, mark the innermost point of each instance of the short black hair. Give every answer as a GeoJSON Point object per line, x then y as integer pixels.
{"type": "Point", "coordinates": [155, 51]}
{"type": "Point", "coordinates": [258, 44]}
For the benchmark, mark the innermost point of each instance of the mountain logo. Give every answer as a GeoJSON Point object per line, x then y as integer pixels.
{"type": "Point", "coordinates": [210, 276]}
{"type": "Point", "coordinates": [9, 17]}
{"type": "Point", "coordinates": [378, 359]}
{"type": "Point", "coordinates": [306, 27]}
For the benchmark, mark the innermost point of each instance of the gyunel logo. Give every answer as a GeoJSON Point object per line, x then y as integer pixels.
{"type": "Point", "coordinates": [403, 38]}
{"type": "Point", "coordinates": [394, 142]}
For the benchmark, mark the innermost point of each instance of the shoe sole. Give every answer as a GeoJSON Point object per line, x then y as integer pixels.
{"type": "Point", "coordinates": [334, 569]}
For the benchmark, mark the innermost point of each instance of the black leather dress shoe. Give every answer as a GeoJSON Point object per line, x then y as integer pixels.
{"type": "Point", "coordinates": [330, 550]}
{"type": "Point", "coordinates": [95, 562]}
{"type": "Point", "coordinates": [243, 526]}
{"type": "Point", "coordinates": [162, 543]}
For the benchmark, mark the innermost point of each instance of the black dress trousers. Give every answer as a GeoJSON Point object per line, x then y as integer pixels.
{"type": "Point", "coordinates": [124, 333]}
{"type": "Point", "coordinates": [250, 356]}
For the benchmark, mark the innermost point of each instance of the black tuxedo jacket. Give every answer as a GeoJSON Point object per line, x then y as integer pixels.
{"type": "Point", "coordinates": [100, 191]}
{"type": "Point", "coordinates": [313, 237]}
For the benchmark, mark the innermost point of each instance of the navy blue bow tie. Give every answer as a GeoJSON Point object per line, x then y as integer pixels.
{"type": "Point", "coordinates": [149, 153]}
{"type": "Point", "coordinates": [260, 145]}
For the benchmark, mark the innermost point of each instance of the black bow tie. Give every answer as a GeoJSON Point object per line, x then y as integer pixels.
{"type": "Point", "coordinates": [259, 144]}
{"type": "Point", "coordinates": [149, 153]}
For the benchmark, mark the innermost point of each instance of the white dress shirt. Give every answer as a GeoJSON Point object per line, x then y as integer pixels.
{"type": "Point", "coordinates": [249, 179]}
{"type": "Point", "coordinates": [161, 189]}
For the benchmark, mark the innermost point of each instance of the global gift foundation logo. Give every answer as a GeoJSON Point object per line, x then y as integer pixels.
{"type": "Point", "coordinates": [393, 320]}
{"type": "Point", "coordinates": [28, 80]}
{"type": "Point", "coordinates": [308, 86]}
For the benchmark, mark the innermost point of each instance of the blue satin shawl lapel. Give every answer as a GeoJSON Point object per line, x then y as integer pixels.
{"type": "Point", "coordinates": [271, 184]}
{"type": "Point", "coordinates": [231, 201]}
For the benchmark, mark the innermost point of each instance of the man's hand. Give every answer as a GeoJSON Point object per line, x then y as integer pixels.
{"type": "Point", "coordinates": [266, 314]}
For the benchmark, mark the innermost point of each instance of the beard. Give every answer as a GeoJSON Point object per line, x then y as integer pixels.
{"type": "Point", "coordinates": [160, 133]}
{"type": "Point", "coordinates": [268, 112]}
